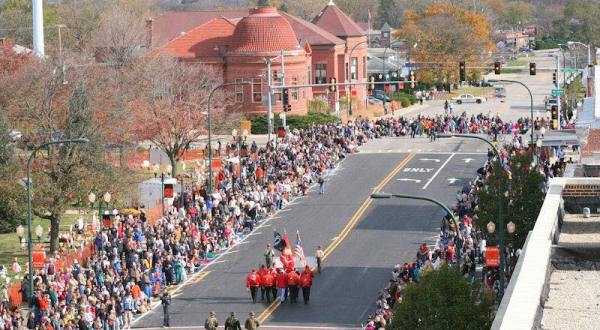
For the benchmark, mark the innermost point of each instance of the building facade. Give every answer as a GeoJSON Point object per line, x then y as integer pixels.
{"type": "Point", "coordinates": [237, 44]}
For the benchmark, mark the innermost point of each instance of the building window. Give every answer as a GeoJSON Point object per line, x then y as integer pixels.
{"type": "Point", "coordinates": [386, 34]}
{"type": "Point", "coordinates": [309, 74]}
{"type": "Point", "coordinates": [364, 66]}
{"type": "Point", "coordinates": [294, 91]}
{"type": "Point", "coordinates": [256, 90]}
{"type": "Point", "coordinates": [239, 91]}
{"type": "Point", "coordinates": [320, 73]}
{"type": "Point", "coordinates": [354, 68]}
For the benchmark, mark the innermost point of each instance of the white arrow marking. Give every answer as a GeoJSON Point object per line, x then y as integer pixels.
{"type": "Point", "coordinates": [468, 160]}
{"type": "Point", "coordinates": [452, 180]}
{"type": "Point", "coordinates": [431, 159]}
{"type": "Point", "coordinates": [415, 180]}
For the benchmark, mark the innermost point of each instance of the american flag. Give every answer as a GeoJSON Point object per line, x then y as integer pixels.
{"type": "Point", "coordinates": [298, 250]}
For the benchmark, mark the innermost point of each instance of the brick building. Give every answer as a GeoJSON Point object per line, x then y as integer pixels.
{"type": "Point", "coordinates": [237, 42]}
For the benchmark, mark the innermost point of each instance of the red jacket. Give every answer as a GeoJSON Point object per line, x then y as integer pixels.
{"type": "Point", "coordinates": [306, 278]}
{"type": "Point", "coordinates": [293, 278]}
{"type": "Point", "coordinates": [267, 279]}
{"type": "Point", "coordinates": [252, 280]}
{"type": "Point", "coordinates": [282, 280]}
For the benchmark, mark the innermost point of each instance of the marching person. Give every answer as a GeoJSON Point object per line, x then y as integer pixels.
{"type": "Point", "coordinates": [321, 182]}
{"type": "Point", "coordinates": [266, 284]}
{"type": "Point", "coordinates": [282, 285]}
{"type": "Point", "coordinates": [165, 300]}
{"type": "Point", "coordinates": [293, 280]}
{"type": "Point", "coordinates": [319, 254]}
{"type": "Point", "coordinates": [252, 283]}
{"type": "Point", "coordinates": [269, 255]}
{"type": "Point", "coordinates": [306, 282]}
{"type": "Point", "coordinates": [232, 323]}
{"type": "Point", "coordinates": [261, 272]}
{"type": "Point", "coordinates": [211, 322]}
{"type": "Point", "coordinates": [251, 322]}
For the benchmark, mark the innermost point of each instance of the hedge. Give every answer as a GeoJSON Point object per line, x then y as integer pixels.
{"type": "Point", "coordinates": [259, 123]}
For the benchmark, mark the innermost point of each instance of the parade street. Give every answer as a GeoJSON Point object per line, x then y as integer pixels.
{"type": "Point", "coordinates": [362, 238]}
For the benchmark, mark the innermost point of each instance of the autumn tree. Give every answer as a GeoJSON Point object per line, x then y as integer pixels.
{"type": "Point", "coordinates": [170, 110]}
{"type": "Point", "coordinates": [40, 104]}
{"type": "Point", "coordinates": [445, 35]}
{"type": "Point", "coordinates": [579, 22]}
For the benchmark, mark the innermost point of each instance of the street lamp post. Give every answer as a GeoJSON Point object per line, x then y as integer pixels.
{"type": "Point", "coordinates": [422, 198]}
{"type": "Point", "coordinates": [349, 78]}
{"type": "Point", "coordinates": [29, 208]}
{"type": "Point", "coordinates": [209, 124]}
{"type": "Point", "coordinates": [530, 99]}
{"type": "Point", "coordinates": [500, 220]}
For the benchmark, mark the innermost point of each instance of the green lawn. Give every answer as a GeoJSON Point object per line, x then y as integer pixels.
{"type": "Point", "coordinates": [518, 62]}
{"type": "Point", "coordinates": [476, 91]}
{"type": "Point", "coordinates": [9, 243]}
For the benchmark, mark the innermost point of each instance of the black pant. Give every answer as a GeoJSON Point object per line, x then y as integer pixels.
{"type": "Point", "coordinates": [253, 290]}
{"type": "Point", "coordinates": [266, 290]}
{"type": "Point", "coordinates": [293, 289]}
{"type": "Point", "coordinates": [166, 320]}
{"type": "Point", "coordinates": [319, 265]}
{"type": "Point", "coordinates": [273, 291]}
{"type": "Point", "coordinates": [306, 294]}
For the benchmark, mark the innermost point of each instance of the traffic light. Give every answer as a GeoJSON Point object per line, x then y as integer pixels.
{"type": "Point", "coordinates": [497, 68]}
{"type": "Point", "coordinates": [413, 79]}
{"type": "Point", "coordinates": [333, 87]}
{"type": "Point", "coordinates": [554, 116]}
{"type": "Point", "coordinates": [372, 83]}
{"type": "Point", "coordinates": [462, 69]}
{"type": "Point", "coordinates": [554, 77]}
{"type": "Point", "coordinates": [532, 69]}
{"type": "Point", "coordinates": [285, 97]}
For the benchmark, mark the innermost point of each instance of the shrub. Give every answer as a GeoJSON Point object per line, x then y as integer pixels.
{"type": "Point", "coordinates": [319, 105]}
{"type": "Point", "coordinates": [259, 123]}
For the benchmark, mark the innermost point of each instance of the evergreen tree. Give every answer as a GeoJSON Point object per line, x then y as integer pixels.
{"type": "Point", "coordinates": [442, 300]}
{"type": "Point", "coordinates": [519, 193]}
{"type": "Point", "coordinates": [12, 194]}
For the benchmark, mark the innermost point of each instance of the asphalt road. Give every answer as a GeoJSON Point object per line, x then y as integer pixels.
{"type": "Point", "coordinates": [386, 233]}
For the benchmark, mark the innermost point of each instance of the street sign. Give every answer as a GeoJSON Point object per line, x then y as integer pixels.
{"type": "Point", "coordinates": [569, 70]}
{"type": "Point", "coordinates": [492, 256]}
{"type": "Point", "coordinates": [559, 91]}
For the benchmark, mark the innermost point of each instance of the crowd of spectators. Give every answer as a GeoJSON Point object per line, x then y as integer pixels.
{"type": "Point", "coordinates": [135, 259]}
{"type": "Point", "coordinates": [469, 250]}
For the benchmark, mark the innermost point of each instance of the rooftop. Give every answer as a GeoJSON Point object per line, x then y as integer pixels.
{"type": "Point", "coordinates": [334, 20]}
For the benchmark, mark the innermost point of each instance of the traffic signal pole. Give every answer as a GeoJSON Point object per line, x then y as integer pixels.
{"type": "Point", "coordinates": [557, 87]}
{"type": "Point", "coordinates": [283, 113]}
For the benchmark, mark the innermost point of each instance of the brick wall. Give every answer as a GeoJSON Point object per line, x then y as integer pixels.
{"type": "Point", "coordinates": [581, 190]}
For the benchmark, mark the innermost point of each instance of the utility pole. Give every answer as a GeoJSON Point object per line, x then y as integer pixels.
{"type": "Point", "coordinates": [558, 98]}
{"type": "Point", "coordinates": [268, 61]}
{"type": "Point", "coordinates": [283, 113]}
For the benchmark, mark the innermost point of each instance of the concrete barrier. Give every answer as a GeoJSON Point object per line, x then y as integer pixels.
{"type": "Point", "coordinates": [522, 304]}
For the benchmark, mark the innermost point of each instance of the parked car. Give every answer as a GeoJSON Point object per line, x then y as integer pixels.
{"type": "Point", "coordinates": [499, 91]}
{"type": "Point", "coordinates": [469, 98]}
{"type": "Point", "coordinates": [378, 94]}
{"type": "Point", "coordinates": [374, 100]}
{"type": "Point", "coordinates": [525, 50]}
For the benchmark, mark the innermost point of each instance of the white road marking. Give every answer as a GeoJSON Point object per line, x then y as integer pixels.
{"type": "Point", "coordinates": [438, 171]}
{"type": "Point", "coordinates": [430, 159]}
{"type": "Point", "coordinates": [452, 180]}
{"type": "Point", "coordinates": [468, 160]}
{"type": "Point", "coordinates": [333, 239]}
{"type": "Point", "coordinates": [414, 180]}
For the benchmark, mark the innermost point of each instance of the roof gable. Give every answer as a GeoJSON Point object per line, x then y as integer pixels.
{"type": "Point", "coordinates": [335, 21]}
{"type": "Point", "coordinates": [311, 32]}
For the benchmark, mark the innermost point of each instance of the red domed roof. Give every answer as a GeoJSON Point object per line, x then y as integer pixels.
{"type": "Point", "coordinates": [264, 30]}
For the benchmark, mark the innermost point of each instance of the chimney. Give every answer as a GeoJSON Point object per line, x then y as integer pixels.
{"type": "Point", "coordinates": [149, 30]}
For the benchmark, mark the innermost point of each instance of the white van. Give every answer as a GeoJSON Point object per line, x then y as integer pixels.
{"type": "Point", "coordinates": [499, 91]}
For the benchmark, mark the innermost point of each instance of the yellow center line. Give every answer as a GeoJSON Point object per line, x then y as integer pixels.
{"type": "Point", "coordinates": [202, 276]}
{"type": "Point", "coordinates": [357, 216]}
{"type": "Point", "coordinates": [365, 205]}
